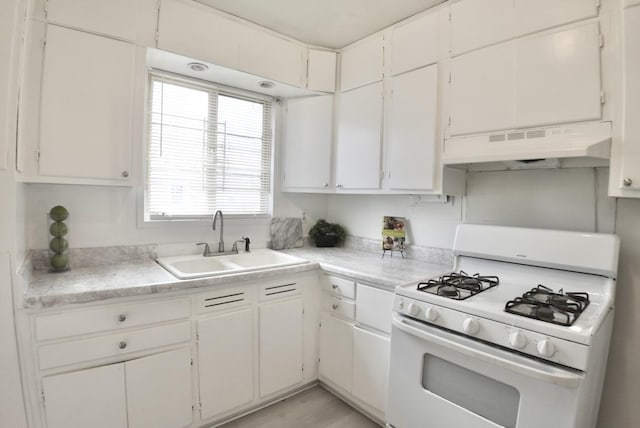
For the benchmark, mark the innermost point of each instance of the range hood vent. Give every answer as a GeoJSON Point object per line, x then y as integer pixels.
{"type": "Point", "coordinates": [570, 145]}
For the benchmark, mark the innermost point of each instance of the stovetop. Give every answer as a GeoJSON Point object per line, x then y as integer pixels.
{"type": "Point", "coordinates": [512, 283]}
{"type": "Point", "coordinates": [458, 285]}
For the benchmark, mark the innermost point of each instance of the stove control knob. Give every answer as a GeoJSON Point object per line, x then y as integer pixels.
{"type": "Point", "coordinates": [546, 348]}
{"type": "Point", "coordinates": [430, 314]}
{"type": "Point", "coordinates": [471, 326]}
{"type": "Point", "coordinates": [413, 309]}
{"type": "Point", "coordinates": [517, 340]}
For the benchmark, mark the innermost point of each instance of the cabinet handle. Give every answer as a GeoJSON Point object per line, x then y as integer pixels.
{"type": "Point", "coordinates": [325, 184]}
{"type": "Point", "coordinates": [122, 345]}
{"type": "Point", "coordinates": [627, 182]}
{"type": "Point", "coordinates": [125, 174]}
{"type": "Point", "coordinates": [335, 287]}
{"type": "Point", "coordinates": [339, 186]}
{"type": "Point", "coordinates": [122, 317]}
{"type": "Point", "coordinates": [334, 306]}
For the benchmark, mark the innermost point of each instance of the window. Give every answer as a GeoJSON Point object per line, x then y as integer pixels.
{"type": "Point", "coordinates": [209, 149]}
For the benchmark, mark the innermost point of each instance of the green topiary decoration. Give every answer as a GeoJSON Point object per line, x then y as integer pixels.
{"type": "Point", "coordinates": [325, 234]}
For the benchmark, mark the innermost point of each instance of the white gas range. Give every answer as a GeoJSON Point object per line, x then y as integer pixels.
{"type": "Point", "coordinates": [517, 336]}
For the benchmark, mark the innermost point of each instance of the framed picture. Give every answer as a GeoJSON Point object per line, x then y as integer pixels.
{"type": "Point", "coordinates": [394, 233]}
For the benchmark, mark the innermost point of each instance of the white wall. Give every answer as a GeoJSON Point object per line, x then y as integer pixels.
{"type": "Point", "coordinates": [572, 199]}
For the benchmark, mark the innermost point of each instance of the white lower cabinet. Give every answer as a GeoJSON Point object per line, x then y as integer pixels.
{"type": "Point", "coordinates": [370, 367]}
{"type": "Point", "coordinates": [225, 361]}
{"type": "Point", "coordinates": [153, 391]}
{"type": "Point", "coordinates": [336, 351]}
{"type": "Point", "coordinates": [281, 345]}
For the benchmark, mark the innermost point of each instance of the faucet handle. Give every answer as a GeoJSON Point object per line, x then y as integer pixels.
{"type": "Point", "coordinates": [207, 251]}
{"type": "Point", "coordinates": [247, 241]}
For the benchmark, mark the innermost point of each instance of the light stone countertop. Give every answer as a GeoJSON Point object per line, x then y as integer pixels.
{"type": "Point", "coordinates": [144, 276]}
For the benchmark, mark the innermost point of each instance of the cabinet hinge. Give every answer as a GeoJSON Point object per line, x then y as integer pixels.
{"type": "Point", "coordinates": [449, 120]}
{"type": "Point", "coordinates": [303, 367]}
{"type": "Point", "coordinates": [42, 398]}
{"type": "Point", "coordinates": [449, 77]}
{"type": "Point", "coordinates": [601, 40]}
{"type": "Point", "coordinates": [597, 3]}
{"type": "Point", "coordinates": [157, 36]}
{"type": "Point", "coordinates": [192, 362]}
{"type": "Point", "coordinates": [197, 337]}
{"type": "Point", "coordinates": [602, 97]}
{"type": "Point", "coordinates": [46, 7]}
{"type": "Point", "coordinates": [44, 43]}
{"type": "Point", "coordinates": [449, 14]}
{"type": "Point", "coordinates": [38, 155]}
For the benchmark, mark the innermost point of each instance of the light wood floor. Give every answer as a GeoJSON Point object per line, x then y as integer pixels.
{"type": "Point", "coordinates": [313, 408]}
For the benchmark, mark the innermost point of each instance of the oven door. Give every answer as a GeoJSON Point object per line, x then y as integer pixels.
{"type": "Point", "coordinates": [438, 379]}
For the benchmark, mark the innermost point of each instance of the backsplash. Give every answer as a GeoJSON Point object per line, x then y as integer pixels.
{"type": "Point", "coordinates": [416, 252]}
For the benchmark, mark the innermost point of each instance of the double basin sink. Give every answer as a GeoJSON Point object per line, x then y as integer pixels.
{"type": "Point", "coordinates": [198, 266]}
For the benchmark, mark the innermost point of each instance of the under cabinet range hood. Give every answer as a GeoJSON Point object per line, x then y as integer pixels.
{"type": "Point", "coordinates": [545, 147]}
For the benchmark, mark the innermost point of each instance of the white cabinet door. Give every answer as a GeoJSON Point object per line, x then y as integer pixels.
{"type": "Point", "coordinates": [134, 20]}
{"type": "Point", "coordinates": [558, 77]}
{"type": "Point", "coordinates": [414, 44]}
{"type": "Point", "coordinates": [359, 140]}
{"type": "Point", "coordinates": [225, 361]}
{"type": "Point", "coordinates": [536, 15]}
{"type": "Point", "coordinates": [307, 145]}
{"type": "Point", "coordinates": [321, 70]}
{"type": "Point", "coordinates": [482, 90]}
{"type": "Point", "coordinates": [87, 398]}
{"type": "Point", "coordinates": [375, 307]}
{"type": "Point", "coordinates": [413, 129]}
{"type": "Point", "coordinates": [86, 106]}
{"type": "Point", "coordinates": [281, 342]}
{"type": "Point", "coordinates": [362, 63]}
{"type": "Point", "coordinates": [336, 351]}
{"type": "Point", "coordinates": [631, 133]}
{"type": "Point", "coordinates": [159, 390]}
{"type": "Point", "coordinates": [477, 23]}
{"type": "Point", "coordinates": [370, 368]}
{"type": "Point", "coordinates": [270, 56]}
{"type": "Point", "coordinates": [195, 30]}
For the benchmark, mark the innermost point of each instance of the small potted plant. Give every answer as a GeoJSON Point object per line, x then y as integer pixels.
{"type": "Point", "coordinates": [325, 234]}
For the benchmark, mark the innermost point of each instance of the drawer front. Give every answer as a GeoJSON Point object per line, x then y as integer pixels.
{"type": "Point", "coordinates": [374, 308]}
{"type": "Point", "coordinates": [101, 319]}
{"type": "Point", "coordinates": [126, 342]}
{"type": "Point", "coordinates": [340, 307]}
{"type": "Point", "coordinates": [340, 286]}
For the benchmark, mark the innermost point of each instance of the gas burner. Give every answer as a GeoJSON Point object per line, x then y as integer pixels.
{"type": "Point", "coordinates": [542, 303]}
{"type": "Point", "coordinates": [458, 286]}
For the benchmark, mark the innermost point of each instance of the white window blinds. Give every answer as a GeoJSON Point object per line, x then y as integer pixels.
{"type": "Point", "coordinates": [209, 149]}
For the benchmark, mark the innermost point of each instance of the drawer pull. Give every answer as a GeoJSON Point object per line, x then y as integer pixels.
{"type": "Point", "coordinates": [335, 287]}
{"type": "Point", "coordinates": [122, 345]}
{"type": "Point", "coordinates": [122, 318]}
{"type": "Point", "coordinates": [334, 306]}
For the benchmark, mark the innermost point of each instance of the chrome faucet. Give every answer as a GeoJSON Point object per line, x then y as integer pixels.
{"type": "Point", "coordinates": [213, 227]}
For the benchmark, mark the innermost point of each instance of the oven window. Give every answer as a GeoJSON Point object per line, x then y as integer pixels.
{"type": "Point", "coordinates": [479, 394]}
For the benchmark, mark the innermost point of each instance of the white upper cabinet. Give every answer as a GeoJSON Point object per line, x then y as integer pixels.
{"type": "Point", "coordinates": [194, 30]}
{"type": "Point", "coordinates": [359, 140]}
{"type": "Point", "coordinates": [413, 130]}
{"type": "Point", "coordinates": [540, 80]}
{"type": "Point", "coordinates": [321, 70]}
{"type": "Point", "coordinates": [269, 56]}
{"type": "Point", "coordinates": [482, 90]}
{"type": "Point", "coordinates": [134, 20]}
{"type": "Point", "coordinates": [479, 23]}
{"type": "Point", "coordinates": [307, 143]}
{"type": "Point", "coordinates": [558, 77]}
{"type": "Point", "coordinates": [415, 43]}
{"type": "Point", "coordinates": [362, 63]}
{"type": "Point", "coordinates": [86, 106]}
{"type": "Point", "coordinates": [630, 159]}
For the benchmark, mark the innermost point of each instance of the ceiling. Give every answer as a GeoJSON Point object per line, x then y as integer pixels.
{"type": "Point", "coordinates": [327, 23]}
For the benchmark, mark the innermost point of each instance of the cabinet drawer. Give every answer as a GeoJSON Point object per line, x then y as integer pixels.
{"type": "Point", "coordinates": [101, 319]}
{"type": "Point", "coordinates": [374, 308]}
{"type": "Point", "coordinates": [340, 286]}
{"type": "Point", "coordinates": [340, 307]}
{"type": "Point", "coordinates": [126, 342]}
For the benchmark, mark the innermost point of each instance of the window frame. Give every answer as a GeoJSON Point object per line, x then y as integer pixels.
{"type": "Point", "coordinates": [189, 81]}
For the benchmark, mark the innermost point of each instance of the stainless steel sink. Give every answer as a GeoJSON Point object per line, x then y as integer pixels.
{"type": "Point", "coordinates": [197, 266]}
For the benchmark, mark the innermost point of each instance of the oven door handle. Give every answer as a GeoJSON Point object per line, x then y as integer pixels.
{"type": "Point", "coordinates": [548, 375]}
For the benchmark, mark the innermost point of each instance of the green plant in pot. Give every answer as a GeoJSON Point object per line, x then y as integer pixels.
{"type": "Point", "coordinates": [325, 234]}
